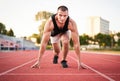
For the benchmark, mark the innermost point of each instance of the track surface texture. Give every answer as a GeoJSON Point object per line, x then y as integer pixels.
{"type": "Point", "coordinates": [16, 66]}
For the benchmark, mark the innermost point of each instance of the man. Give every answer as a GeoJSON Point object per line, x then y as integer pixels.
{"type": "Point", "coordinates": [59, 27]}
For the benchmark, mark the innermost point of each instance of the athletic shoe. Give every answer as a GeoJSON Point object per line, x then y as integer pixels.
{"type": "Point", "coordinates": [55, 59]}
{"type": "Point", "coordinates": [64, 64]}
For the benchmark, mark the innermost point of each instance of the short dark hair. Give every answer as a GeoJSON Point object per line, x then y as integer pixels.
{"type": "Point", "coordinates": [63, 8]}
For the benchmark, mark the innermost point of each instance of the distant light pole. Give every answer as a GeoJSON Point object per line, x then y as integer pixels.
{"type": "Point", "coordinates": [116, 38]}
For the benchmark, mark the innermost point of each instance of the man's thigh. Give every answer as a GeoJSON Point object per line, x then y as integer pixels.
{"type": "Point", "coordinates": [66, 36]}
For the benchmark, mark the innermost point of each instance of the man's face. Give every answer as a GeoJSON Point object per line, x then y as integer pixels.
{"type": "Point", "coordinates": [62, 16]}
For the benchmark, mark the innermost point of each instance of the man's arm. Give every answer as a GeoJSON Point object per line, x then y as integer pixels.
{"type": "Point", "coordinates": [44, 41]}
{"type": "Point", "coordinates": [75, 38]}
{"type": "Point", "coordinates": [45, 38]}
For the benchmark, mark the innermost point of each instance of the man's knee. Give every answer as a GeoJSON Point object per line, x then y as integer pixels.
{"type": "Point", "coordinates": [57, 51]}
{"type": "Point", "coordinates": [65, 43]}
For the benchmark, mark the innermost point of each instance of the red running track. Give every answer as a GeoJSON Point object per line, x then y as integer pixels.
{"type": "Point", "coordinates": [15, 66]}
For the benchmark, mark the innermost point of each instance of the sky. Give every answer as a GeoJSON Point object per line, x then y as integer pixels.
{"type": "Point", "coordinates": [20, 14]}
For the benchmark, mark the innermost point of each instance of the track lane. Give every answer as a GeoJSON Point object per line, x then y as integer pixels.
{"type": "Point", "coordinates": [48, 70]}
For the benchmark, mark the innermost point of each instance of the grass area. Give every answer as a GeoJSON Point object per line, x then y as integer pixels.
{"type": "Point", "coordinates": [110, 50]}
{"type": "Point", "coordinates": [105, 51]}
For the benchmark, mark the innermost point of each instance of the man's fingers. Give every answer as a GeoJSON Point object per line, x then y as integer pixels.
{"type": "Point", "coordinates": [36, 65]}
{"type": "Point", "coordinates": [81, 66]}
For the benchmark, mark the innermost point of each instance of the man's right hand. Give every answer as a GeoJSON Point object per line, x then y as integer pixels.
{"type": "Point", "coordinates": [36, 65]}
{"type": "Point", "coordinates": [81, 66]}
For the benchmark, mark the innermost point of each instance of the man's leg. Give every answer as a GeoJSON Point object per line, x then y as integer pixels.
{"type": "Point", "coordinates": [65, 48]}
{"type": "Point", "coordinates": [56, 51]}
{"type": "Point", "coordinates": [56, 47]}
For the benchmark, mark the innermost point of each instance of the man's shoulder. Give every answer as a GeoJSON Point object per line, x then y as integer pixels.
{"type": "Point", "coordinates": [50, 19]}
{"type": "Point", "coordinates": [50, 22]}
{"type": "Point", "coordinates": [71, 20]}
{"type": "Point", "coordinates": [72, 24]}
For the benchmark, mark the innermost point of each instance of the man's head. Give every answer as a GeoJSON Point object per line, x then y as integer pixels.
{"type": "Point", "coordinates": [63, 8]}
{"type": "Point", "coordinates": [62, 13]}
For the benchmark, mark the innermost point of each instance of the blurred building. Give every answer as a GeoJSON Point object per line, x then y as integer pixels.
{"type": "Point", "coordinates": [13, 43]}
{"type": "Point", "coordinates": [97, 25]}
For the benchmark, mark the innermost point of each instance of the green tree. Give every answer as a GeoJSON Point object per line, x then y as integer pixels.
{"type": "Point", "coordinates": [42, 16]}
{"type": "Point", "coordinates": [103, 39]}
{"type": "Point", "coordinates": [118, 42]}
{"type": "Point", "coordinates": [99, 38]}
{"type": "Point", "coordinates": [107, 40]}
{"type": "Point", "coordinates": [41, 28]}
{"type": "Point", "coordinates": [37, 37]}
{"type": "Point", "coordinates": [84, 39]}
{"type": "Point", "coordinates": [71, 43]}
{"type": "Point", "coordinates": [10, 32]}
{"type": "Point", "coordinates": [3, 29]}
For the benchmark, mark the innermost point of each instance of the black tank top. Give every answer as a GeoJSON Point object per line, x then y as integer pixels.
{"type": "Point", "coordinates": [56, 29]}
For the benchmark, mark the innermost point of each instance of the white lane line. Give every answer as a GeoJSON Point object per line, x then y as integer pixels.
{"type": "Point", "coordinates": [12, 69]}
{"type": "Point", "coordinates": [5, 72]}
{"type": "Point", "coordinates": [74, 74]}
{"type": "Point", "coordinates": [101, 74]}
